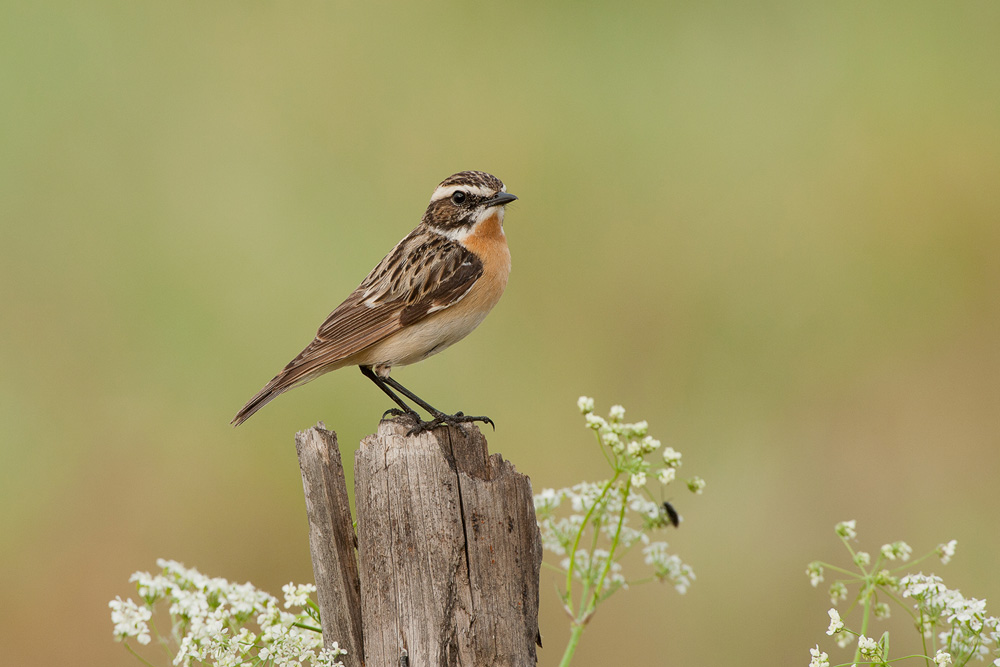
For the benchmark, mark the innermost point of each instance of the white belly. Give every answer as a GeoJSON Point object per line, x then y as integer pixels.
{"type": "Point", "coordinates": [421, 340]}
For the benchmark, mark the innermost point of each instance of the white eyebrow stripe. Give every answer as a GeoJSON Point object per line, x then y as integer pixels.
{"type": "Point", "coordinates": [448, 190]}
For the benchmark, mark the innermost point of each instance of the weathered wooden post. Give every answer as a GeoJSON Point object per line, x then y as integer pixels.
{"type": "Point", "coordinates": [448, 549]}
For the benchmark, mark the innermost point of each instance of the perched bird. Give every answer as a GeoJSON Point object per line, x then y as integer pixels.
{"type": "Point", "coordinates": [429, 292]}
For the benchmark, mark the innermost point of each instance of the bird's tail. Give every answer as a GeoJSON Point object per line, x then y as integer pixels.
{"type": "Point", "coordinates": [299, 370]}
{"type": "Point", "coordinates": [270, 392]}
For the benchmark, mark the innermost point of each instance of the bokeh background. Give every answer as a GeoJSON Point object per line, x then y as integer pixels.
{"type": "Point", "coordinates": [770, 229]}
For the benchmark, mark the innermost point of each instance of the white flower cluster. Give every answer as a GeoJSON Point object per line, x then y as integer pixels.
{"type": "Point", "coordinates": [815, 572]}
{"type": "Point", "coordinates": [588, 566]}
{"type": "Point", "coordinates": [869, 648]}
{"type": "Point", "coordinates": [964, 629]}
{"type": "Point", "coordinates": [847, 529]}
{"type": "Point", "coordinates": [819, 658]}
{"type": "Point", "coordinates": [630, 445]}
{"type": "Point", "coordinates": [836, 623]}
{"type": "Point", "coordinates": [668, 567]}
{"type": "Point", "coordinates": [130, 619]}
{"type": "Point", "coordinates": [838, 592]}
{"type": "Point", "coordinates": [209, 615]}
{"type": "Point", "coordinates": [618, 513]}
{"type": "Point", "coordinates": [946, 551]}
{"type": "Point", "coordinates": [900, 550]}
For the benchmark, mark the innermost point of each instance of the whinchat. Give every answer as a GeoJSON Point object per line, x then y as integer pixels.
{"type": "Point", "coordinates": [429, 292]}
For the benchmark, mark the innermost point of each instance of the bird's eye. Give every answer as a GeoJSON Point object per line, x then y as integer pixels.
{"type": "Point", "coordinates": [459, 197]}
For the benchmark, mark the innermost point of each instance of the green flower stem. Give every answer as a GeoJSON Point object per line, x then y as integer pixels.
{"type": "Point", "coordinates": [574, 639]}
{"type": "Point", "coordinates": [589, 577]}
{"type": "Point", "coordinates": [889, 594]}
{"type": "Point", "coordinates": [611, 553]}
{"type": "Point", "coordinates": [908, 565]}
{"type": "Point", "coordinates": [923, 639]}
{"type": "Point", "coordinates": [141, 659]}
{"type": "Point", "coordinates": [865, 618]}
{"type": "Point", "coordinates": [307, 627]}
{"type": "Point", "coordinates": [579, 535]}
{"type": "Point", "coordinates": [854, 578]}
{"type": "Point", "coordinates": [160, 639]}
{"type": "Point", "coordinates": [600, 445]}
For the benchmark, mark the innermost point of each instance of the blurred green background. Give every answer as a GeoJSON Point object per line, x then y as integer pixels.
{"type": "Point", "coordinates": [771, 229]}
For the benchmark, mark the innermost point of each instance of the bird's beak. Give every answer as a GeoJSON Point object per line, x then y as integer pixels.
{"type": "Point", "coordinates": [501, 199]}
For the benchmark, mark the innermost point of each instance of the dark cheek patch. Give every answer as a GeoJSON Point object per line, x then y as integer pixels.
{"type": "Point", "coordinates": [445, 215]}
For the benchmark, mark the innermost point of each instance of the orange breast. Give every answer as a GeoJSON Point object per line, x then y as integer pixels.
{"type": "Point", "coordinates": [490, 245]}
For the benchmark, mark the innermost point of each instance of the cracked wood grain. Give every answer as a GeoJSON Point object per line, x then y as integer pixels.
{"type": "Point", "coordinates": [449, 550]}
{"type": "Point", "coordinates": [332, 542]}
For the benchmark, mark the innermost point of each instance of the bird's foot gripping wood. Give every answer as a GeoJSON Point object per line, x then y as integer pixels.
{"type": "Point", "coordinates": [441, 419]}
{"type": "Point", "coordinates": [396, 412]}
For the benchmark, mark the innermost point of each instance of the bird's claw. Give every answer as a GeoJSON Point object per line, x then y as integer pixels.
{"type": "Point", "coordinates": [396, 412]}
{"type": "Point", "coordinates": [447, 420]}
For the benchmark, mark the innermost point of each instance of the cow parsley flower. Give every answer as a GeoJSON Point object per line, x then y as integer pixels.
{"type": "Point", "coordinates": [868, 647]}
{"type": "Point", "coordinates": [958, 628]}
{"type": "Point", "coordinates": [836, 624]}
{"type": "Point", "coordinates": [819, 658]}
{"type": "Point", "coordinates": [947, 551]}
{"type": "Point", "coordinates": [672, 457]}
{"type": "Point", "coordinates": [846, 529]}
{"type": "Point", "coordinates": [815, 572]}
{"type": "Point", "coordinates": [592, 524]}
{"type": "Point", "coordinates": [297, 596]}
{"type": "Point", "coordinates": [210, 615]}
{"type": "Point", "coordinates": [838, 592]}
{"type": "Point", "coordinates": [130, 620]}
{"type": "Point", "coordinates": [942, 658]}
{"type": "Point", "coordinates": [900, 550]}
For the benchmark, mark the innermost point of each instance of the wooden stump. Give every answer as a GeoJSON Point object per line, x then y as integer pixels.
{"type": "Point", "coordinates": [449, 553]}
{"type": "Point", "coordinates": [332, 542]}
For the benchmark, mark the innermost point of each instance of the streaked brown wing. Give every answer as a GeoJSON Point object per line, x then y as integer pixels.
{"type": "Point", "coordinates": [424, 273]}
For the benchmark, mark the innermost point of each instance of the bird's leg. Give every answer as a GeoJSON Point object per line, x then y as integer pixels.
{"type": "Point", "coordinates": [439, 417]}
{"type": "Point", "coordinates": [403, 409]}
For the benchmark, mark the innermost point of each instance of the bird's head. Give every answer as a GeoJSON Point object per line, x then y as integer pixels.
{"type": "Point", "coordinates": [464, 199]}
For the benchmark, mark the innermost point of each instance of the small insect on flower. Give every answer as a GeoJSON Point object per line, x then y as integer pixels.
{"type": "Point", "coordinates": [673, 518]}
